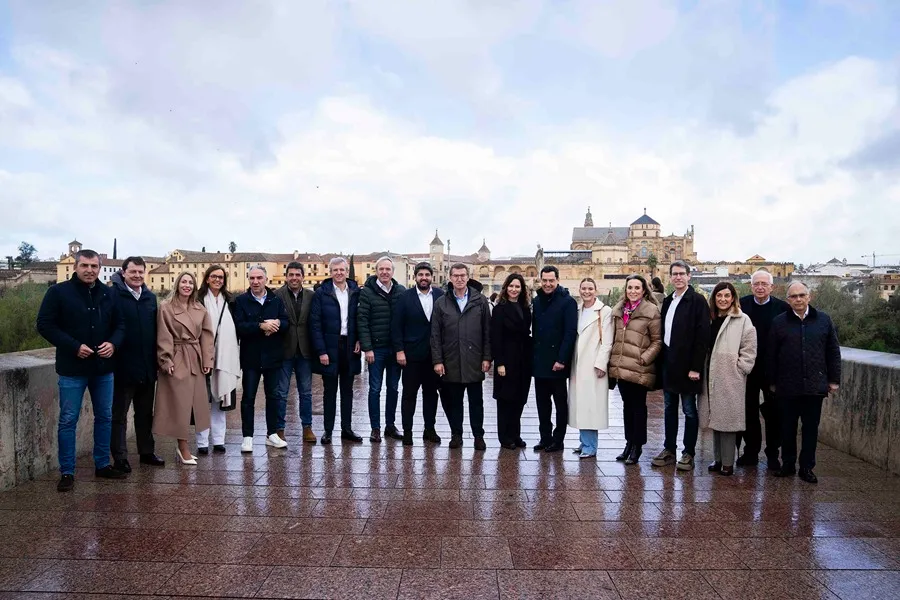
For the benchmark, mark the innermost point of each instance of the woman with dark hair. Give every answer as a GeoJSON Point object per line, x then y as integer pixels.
{"type": "Point", "coordinates": [659, 292]}
{"type": "Point", "coordinates": [226, 371]}
{"type": "Point", "coordinates": [511, 349]}
{"type": "Point", "coordinates": [184, 348]}
{"type": "Point", "coordinates": [731, 357]}
{"type": "Point", "coordinates": [638, 340]}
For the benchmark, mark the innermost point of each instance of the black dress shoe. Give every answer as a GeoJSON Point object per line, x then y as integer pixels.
{"type": "Point", "coordinates": [350, 436]}
{"type": "Point", "coordinates": [626, 452]}
{"type": "Point", "coordinates": [785, 472]}
{"type": "Point", "coordinates": [66, 483]}
{"type": "Point", "coordinates": [202, 450]}
{"type": "Point", "coordinates": [808, 476]}
{"type": "Point", "coordinates": [391, 432]}
{"type": "Point", "coordinates": [510, 446]}
{"type": "Point", "coordinates": [745, 460]}
{"type": "Point", "coordinates": [715, 467]}
{"type": "Point", "coordinates": [634, 456]}
{"type": "Point", "coordinates": [108, 472]}
{"type": "Point", "coordinates": [540, 446]}
{"type": "Point", "coordinates": [553, 447]}
{"type": "Point", "coordinates": [520, 443]}
{"type": "Point", "coordinates": [122, 465]}
{"type": "Point", "coordinates": [726, 471]}
{"type": "Point", "coordinates": [219, 449]}
{"type": "Point", "coordinates": [774, 464]}
{"type": "Point", "coordinates": [326, 439]}
{"type": "Point", "coordinates": [431, 435]}
{"type": "Point", "coordinates": [152, 460]}
{"type": "Point", "coordinates": [480, 445]}
{"type": "Point", "coordinates": [456, 442]}
{"type": "Point", "coordinates": [407, 440]}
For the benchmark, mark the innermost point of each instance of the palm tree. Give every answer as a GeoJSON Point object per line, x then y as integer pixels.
{"type": "Point", "coordinates": [652, 261]}
{"type": "Point", "coordinates": [232, 247]}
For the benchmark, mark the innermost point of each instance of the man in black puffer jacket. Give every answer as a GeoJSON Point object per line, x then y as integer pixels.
{"type": "Point", "coordinates": [136, 365]}
{"type": "Point", "coordinates": [377, 300]}
{"type": "Point", "coordinates": [804, 366]}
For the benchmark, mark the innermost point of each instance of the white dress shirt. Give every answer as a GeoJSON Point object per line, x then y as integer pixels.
{"type": "Point", "coordinates": [386, 288]}
{"type": "Point", "coordinates": [343, 298]}
{"type": "Point", "coordinates": [670, 316]}
{"type": "Point", "coordinates": [427, 302]}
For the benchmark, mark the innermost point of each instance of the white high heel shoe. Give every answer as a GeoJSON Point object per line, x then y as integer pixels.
{"type": "Point", "coordinates": [180, 458]}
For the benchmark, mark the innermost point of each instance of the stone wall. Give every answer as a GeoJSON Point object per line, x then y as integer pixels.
{"type": "Point", "coordinates": [863, 419]}
{"type": "Point", "coordinates": [29, 413]}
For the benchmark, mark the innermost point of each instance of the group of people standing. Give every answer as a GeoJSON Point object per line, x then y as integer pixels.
{"type": "Point", "coordinates": [193, 350]}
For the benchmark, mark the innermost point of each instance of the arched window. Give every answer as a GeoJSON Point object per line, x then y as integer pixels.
{"type": "Point", "coordinates": [645, 234]}
{"type": "Point", "coordinates": [644, 253]}
{"type": "Point", "coordinates": [609, 260]}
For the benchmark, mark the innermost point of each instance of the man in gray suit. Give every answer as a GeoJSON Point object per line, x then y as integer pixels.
{"type": "Point", "coordinates": [297, 350]}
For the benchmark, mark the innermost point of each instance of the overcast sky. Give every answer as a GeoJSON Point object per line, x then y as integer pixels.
{"type": "Point", "coordinates": [358, 126]}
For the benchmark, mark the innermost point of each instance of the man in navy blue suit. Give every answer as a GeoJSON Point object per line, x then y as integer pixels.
{"type": "Point", "coordinates": [411, 333]}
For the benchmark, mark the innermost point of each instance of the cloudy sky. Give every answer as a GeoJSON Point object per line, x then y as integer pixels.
{"type": "Point", "coordinates": [362, 125]}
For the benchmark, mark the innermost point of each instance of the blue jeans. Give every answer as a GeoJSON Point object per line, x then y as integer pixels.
{"type": "Point", "coordinates": [271, 383]}
{"type": "Point", "coordinates": [301, 368]}
{"type": "Point", "coordinates": [385, 360]}
{"type": "Point", "coordinates": [588, 439]}
{"type": "Point", "coordinates": [71, 394]}
{"type": "Point", "coordinates": [691, 421]}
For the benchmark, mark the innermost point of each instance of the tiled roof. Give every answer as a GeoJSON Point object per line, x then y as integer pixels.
{"type": "Point", "coordinates": [645, 220]}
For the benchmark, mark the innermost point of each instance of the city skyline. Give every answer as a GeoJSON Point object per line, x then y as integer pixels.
{"type": "Point", "coordinates": [773, 128]}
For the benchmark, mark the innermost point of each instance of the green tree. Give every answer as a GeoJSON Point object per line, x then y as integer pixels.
{"type": "Point", "coordinates": [652, 262]}
{"type": "Point", "coordinates": [18, 315]}
{"type": "Point", "coordinates": [232, 247]}
{"type": "Point", "coordinates": [27, 254]}
{"type": "Point", "coordinates": [613, 296]}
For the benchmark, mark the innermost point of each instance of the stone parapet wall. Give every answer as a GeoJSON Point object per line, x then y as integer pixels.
{"type": "Point", "coordinates": [863, 419]}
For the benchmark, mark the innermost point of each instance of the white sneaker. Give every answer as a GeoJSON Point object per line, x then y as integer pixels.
{"type": "Point", "coordinates": [274, 440]}
{"type": "Point", "coordinates": [247, 445]}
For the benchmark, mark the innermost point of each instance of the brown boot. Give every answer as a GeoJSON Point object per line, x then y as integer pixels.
{"type": "Point", "coordinates": [308, 436]}
{"type": "Point", "coordinates": [280, 433]}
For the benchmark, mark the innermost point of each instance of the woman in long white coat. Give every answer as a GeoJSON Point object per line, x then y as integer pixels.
{"type": "Point", "coordinates": [588, 382]}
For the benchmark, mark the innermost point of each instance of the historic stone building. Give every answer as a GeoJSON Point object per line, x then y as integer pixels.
{"type": "Point", "coordinates": [633, 244]}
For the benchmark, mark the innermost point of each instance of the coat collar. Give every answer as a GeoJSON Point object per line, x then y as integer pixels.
{"type": "Point", "coordinates": [595, 315]}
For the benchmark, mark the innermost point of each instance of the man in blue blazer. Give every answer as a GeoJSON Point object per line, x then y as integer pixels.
{"type": "Point", "coordinates": [411, 334]}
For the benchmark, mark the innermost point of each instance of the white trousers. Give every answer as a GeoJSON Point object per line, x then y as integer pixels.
{"type": "Point", "coordinates": [217, 419]}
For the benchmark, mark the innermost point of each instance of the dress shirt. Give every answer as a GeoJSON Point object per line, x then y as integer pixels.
{"type": "Point", "coordinates": [670, 316]}
{"type": "Point", "coordinates": [343, 298]}
{"type": "Point", "coordinates": [427, 302]}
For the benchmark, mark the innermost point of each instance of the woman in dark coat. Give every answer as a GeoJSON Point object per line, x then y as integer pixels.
{"type": "Point", "coordinates": [511, 347]}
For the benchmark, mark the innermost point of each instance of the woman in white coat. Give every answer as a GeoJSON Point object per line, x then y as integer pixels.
{"type": "Point", "coordinates": [588, 382]}
{"type": "Point", "coordinates": [731, 358]}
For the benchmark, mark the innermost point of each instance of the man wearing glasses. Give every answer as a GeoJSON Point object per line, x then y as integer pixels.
{"type": "Point", "coordinates": [804, 366]}
{"type": "Point", "coordinates": [685, 318]}
{"type": "Point", "coordinates": [762, 308]}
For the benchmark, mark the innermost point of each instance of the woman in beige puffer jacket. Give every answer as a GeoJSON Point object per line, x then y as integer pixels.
{"type": "Point", "coordinates": [637, 342]}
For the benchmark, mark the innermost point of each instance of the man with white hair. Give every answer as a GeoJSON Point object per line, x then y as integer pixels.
{"type": "Point", "coordinates": [335, 341]}
{"type": "Point", "coordinates": [804, 366]}
{"type": "Point", "coordinates": [260, 320]}
{"type": "Point", "coordinates": [377, 300]}
{"type": "Point", "coordinates": [762, 308]}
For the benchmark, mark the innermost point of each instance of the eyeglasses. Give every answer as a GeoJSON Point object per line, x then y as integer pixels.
{"type": "Point", "coordinates": [678, 274]}
{"type": "Point", "coordinates": [216, 277]}
{"type": "Point", "coordinates": [797, 296]}
{"type": "Point", "coordinates": [761, 284]}
{"type": "Point", "coordinates": [458, 276]}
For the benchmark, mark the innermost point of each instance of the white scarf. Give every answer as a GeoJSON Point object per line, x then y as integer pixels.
{"type": "Point", "coordinates": [227, 370]}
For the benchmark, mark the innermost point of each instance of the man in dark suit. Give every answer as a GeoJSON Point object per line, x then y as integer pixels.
{"type": "Point", "coordinates": [411, 335]}
{"type": "Point", "coordinates": [685, 328]}
{"type": "Point", "coordinates": [297, 351]}
{"type": "Point", "coordinates": [762, 308]}
{"type": "Point", "coordinates": [555, 329]}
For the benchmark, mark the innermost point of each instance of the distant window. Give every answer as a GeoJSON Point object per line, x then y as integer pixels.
{"type": "Point", "coordinates": [645, 234]}
{"type": "Point", "coordinates": [644, 253]}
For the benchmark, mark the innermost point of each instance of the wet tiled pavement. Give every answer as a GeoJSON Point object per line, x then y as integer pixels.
{"type": "Point", "coordinates": [385, 521]}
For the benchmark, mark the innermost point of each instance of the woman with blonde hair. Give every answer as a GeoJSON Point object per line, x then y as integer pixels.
{"type": "Point", "coordinates": [731, 357]}
{"type": "Point", "coordinates": [185, 354]}
{"type": "Point", "coordinates": [588, 382]}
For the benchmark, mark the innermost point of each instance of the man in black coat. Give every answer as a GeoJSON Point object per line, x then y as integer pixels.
{"type": "Point", "coordinates": [804, 366]}
{"type": "Point", "coordinates": [461, 351]}
{"type": "Point", "coordinates": [411, 335]}
{"type": "Point", "coordinates": [685, 329]}
{"type": "Point", "coordinates": [554, 331]}
{"type": "Point", "coordinates": [762, 308]}
{"type": "Point", "coordinates": [81, 318]}
{"type": "Point", "coordinates": [136, 365]}
{"type": "Point", "coordinates": [261, 320]}
{"type": "Point", "coordinates": [335, 340]}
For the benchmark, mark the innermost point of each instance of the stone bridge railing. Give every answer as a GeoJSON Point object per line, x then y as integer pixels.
{"type": "Point", "coordinates": [863, 419]}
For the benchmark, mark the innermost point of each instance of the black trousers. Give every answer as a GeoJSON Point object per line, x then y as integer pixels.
{"type": "Point", "coordinates": [418, 374]}
{"type": "Point", "coordinates": [752, 436]}
{"type": "Point", "coordinates": [453, 398]}
{"type": "Point", "coordinates": [634, 411]}
{"type": "Point", "coordinates": [330, 384]}
{"type": "Point", "coordinates": [509, 421]}
{"type": "Point", "coordinates": [124, 395]}
{"type": "Point", "coordinates": [808, 410]}
{"type": "Point", "coordinates": [544, 389]}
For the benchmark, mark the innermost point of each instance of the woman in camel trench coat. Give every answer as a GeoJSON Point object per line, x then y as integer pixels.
{"type": "Point", "coordinates": [185, 353]}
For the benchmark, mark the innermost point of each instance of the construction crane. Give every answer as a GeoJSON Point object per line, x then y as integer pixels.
{"type": "Point", "coordinates": [876, 256]}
